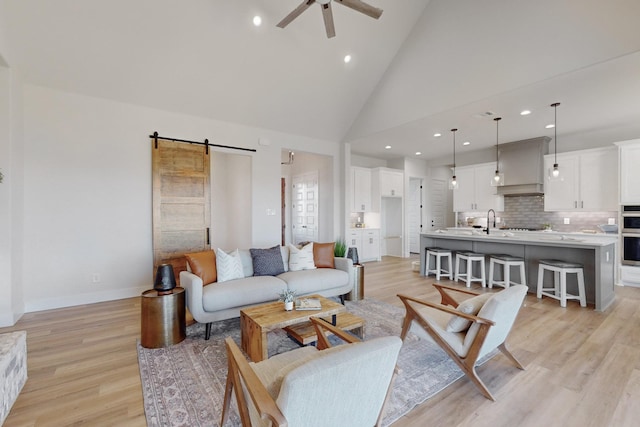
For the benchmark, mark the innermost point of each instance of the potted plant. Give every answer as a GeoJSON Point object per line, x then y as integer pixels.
{"type": "Point", "coordinates": [340, 248]}
{"type": "Point", "coordinates": [287, 296]}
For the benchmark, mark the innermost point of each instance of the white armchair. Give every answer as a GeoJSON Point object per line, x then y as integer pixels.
{"type": "Point", "coordinates": [314, 386]}
{"type": "Point", "coordinates": [470, 330]}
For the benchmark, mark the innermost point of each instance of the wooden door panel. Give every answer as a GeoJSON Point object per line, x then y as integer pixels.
{"type": "Point", "coordinates": [181, 202]}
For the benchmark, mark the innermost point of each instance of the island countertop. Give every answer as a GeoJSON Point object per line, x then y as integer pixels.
{"type": "Point", "coordinates": [597, 254]}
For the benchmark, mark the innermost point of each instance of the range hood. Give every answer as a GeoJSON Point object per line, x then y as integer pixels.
{"type": "Point", "coordinates": [522, 163]}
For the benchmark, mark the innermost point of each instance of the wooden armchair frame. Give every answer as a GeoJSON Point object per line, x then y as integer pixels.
{"type": "Point", "coordinates": [467, 363]}
{"type": "Point", "coordinates": [239, 368]}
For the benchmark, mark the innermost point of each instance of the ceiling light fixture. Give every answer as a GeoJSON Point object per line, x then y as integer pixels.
{"type": "Point", "coordinates": [551, 126]}
{"type": "Point", "coordinates": [257, 21]}
{"type": "Point", "coordinates": [466, 143]}
{"type": "Point", "coordinates": [525, 112]}
{"type": "Point", "coordinates": [437, 135]}
{"type": "Point", "coordinates": [498, 178]}
{"type": "Point", "coordinates": [347, 59]}
{"type": "Point", "coordinates": [387, 147]}
{"type": "Point", "coordinates": [555, 172]}
{"type": "Point", "coordinates": [418, 153]}
{"type": "Point", "coordinates": [453, 184]}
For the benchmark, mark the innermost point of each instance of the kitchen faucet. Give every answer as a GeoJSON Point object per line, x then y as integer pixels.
{"type": "Point", "coordinates": [494, 219]}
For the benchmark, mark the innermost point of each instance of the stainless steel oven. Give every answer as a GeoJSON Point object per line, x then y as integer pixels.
{"type": "Point", "coordinates": [630, 235]}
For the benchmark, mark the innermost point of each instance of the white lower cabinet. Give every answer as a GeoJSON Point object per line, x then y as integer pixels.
{"type": "Point", "coordinates": [367, 241]}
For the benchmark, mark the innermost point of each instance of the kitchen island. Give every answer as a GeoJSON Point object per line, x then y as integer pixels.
{"type": "Point", "coordinates": [596, 254]}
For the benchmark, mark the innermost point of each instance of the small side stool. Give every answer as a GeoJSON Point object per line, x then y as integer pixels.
{"type": "Point", "coordinates": [467, 276]}
{"type": "Point", "coordinates": [438, 254]}
{"type": "Point", "coordinates": [560, 270]}
{"type": "Point", "coordinates": [506, 261]}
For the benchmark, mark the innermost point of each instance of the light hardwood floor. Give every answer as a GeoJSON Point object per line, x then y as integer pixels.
{"type": "Point", "coordinates": [582, 367]}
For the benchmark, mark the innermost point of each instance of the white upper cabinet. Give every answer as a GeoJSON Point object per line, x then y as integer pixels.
{"type": "Point", "coordinates": [360, 189]}
{"type": "Point", "coordinates": [588, 181]}
{"type": "Point", "coordinates": [629, 152]}
{"type": "Point", "coordinates": [474, 192]}
{"type": "Point", "coordinates": [386, 183]}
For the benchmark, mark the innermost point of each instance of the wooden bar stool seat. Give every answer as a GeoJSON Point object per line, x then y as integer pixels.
{"type": "Point", "coordinates": [558, 291]}
{"type": "Point", "coordinates": [507, 262]}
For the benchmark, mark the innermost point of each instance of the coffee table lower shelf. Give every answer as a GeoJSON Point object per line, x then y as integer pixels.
{"type": "Point", "coordinates": [304, 333]}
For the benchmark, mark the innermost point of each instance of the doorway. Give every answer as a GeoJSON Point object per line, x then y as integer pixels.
{"type": "Point", "coordinates": [415, 213]}
{"type": "Point", "coordinates": [304, 208]}
{"type": "Point", "coordinates": [438, 203]}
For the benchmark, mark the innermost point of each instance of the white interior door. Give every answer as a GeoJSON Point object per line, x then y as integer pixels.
{"type": "Point", "coordinates": [438, 203]}
{"type": "Point", "coordinates": [415, 214]}
{"type": "Point", "coordinates": [304, 207]}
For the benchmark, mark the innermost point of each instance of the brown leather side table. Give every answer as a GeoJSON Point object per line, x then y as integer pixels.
{"type": "Point", "coordinates": [163, 318]}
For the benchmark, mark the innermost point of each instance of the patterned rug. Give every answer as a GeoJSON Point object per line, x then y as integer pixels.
{"type": "Point", "coordinates": [183, 385]}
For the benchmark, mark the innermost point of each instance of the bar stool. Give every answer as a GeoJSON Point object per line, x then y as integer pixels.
{"type": "Point", "coordinates": [506, 261]}
{"type": "Point", "coordinates": [467, 276]}
{"type": "Point", "coordinates": [438, 254]}
{"type": "Point", "coordinates": [560, 270]}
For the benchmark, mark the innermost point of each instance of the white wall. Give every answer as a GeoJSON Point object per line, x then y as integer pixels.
{"type": "Point", "coordinates": [87, 191]}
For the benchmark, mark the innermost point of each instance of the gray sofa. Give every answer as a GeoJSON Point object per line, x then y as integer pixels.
{"type": "Point", "coordinates": [219, 301]}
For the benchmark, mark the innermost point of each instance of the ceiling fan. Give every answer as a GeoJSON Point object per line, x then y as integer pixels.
{"type": "Point", "coordinates": [357, 5]}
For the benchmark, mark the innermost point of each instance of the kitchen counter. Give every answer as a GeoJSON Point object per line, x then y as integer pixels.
{"type": "Point", "coordinates": [595, 252]}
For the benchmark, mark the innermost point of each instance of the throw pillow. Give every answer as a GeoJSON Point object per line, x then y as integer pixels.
{"type": "Point", "coordinates": [323, 255]}
{"type": "Point", "coordinates": [228, 265]}
{"type": "Point", "coordinates": [471, 306]}
{"type": "Point", "coordinates": [301, 259]}
{"type": "Point", "coordinates": [203, 265]}
{"type": "Point", "coordinates": [267, 262]}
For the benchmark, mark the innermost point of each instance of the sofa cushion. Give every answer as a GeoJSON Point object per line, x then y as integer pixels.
{"type": "Point", "coordinates": [228, 265]}
{"type": "Point", "coordinates": [267, 262]}
{"type": "Point", "coordinates": [301, 259]}
{"type": "Point", "coordinates": [470, 306]}
{"type": "Point", "coordinates": [307, 282]}
{"type": "Point", "coordinates": [241, 292]}
{"type": "Point", "coordinates": [203, 265]}
{"type": "Point", "coordinates": [323, 255]}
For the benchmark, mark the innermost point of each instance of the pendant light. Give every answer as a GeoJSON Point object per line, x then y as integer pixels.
{"type": "Point", "coordinates": [498, 178]}
{"type": "Point", "coordinates": [554, 174]}
{"type": "Point", "coordinates": [453, 183]}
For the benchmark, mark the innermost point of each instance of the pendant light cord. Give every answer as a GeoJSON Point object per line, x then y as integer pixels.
{"type": "Point", "coordinates": [454, 150]}
{"type": "Point", "coordinates": [497, 119]}
{"type": "Point", "coordinates": [555, 132]}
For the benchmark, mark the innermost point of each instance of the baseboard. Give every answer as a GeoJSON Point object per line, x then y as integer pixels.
{"type": "Point", "coordinates": [9, 319]}
{"type": "Point", "coordinates": [73, 300]}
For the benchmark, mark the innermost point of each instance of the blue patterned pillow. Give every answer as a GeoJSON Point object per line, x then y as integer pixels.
{"type": "Point", "coordinates": [267, 262]}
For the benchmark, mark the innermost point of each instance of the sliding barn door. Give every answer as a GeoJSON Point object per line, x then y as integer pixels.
{"type": "Point", "coordinates": [181, 202]}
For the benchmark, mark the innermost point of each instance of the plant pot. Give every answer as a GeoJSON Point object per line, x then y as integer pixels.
{"type": "Point", "coordinates": [288, 305]}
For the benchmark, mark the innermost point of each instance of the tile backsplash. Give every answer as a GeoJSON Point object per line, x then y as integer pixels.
{"type": "Point", "coordinates": [528, 212]}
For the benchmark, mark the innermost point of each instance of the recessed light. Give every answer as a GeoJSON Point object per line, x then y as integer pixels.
{"type": "Point", "coordinates": [418, 153]}
{"type": "Point", "coordinates": [437, 135]}
{"type": "Point", "coordinates": [347, 59]}
{"type": "Point", "coordinates": [466, 143]}
{"type": "Point", "coordinates": [257, 21]}
{"type": "Point", "coordinates": [551, 126]}
{"type": "Point", "coordinates": [387, 147]}
{"type": "Point", "coordinates": [525, 112]}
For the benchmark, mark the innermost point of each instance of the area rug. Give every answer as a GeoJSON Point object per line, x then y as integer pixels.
{"type": "Point", "coordinates": [183, 385]}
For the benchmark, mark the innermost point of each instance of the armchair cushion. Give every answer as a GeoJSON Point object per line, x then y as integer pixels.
{"type": "Point", "coordinates": [323, 255]}
{"type": "Point", "coordinates": [267, 262]}
{"type": "Point", "coordinates": [203, 265]}
{"type": "Point", "coordinates": [469, 306]}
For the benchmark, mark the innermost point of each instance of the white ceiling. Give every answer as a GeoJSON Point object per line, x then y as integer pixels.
{"type": "Point", "coordinates": [424, 67]}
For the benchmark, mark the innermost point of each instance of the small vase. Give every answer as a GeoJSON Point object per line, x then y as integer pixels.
{"type": "Point", "coordinates": [288, 305]}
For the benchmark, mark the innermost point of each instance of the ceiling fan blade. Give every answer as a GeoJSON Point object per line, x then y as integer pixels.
{"type": "Point", "coordinates": [362, 7]}
{"type": "Point", "coordinates": [328, 20]}
{"type": "Point", "coordinates": [295, 13]}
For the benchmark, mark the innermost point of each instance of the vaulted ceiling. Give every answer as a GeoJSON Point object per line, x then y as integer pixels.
{"type": "Point", "coordinates": [423, 67]}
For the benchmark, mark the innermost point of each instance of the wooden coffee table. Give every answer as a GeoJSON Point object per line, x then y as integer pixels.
{"type": "Point", "coordinates": [256, 321]}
